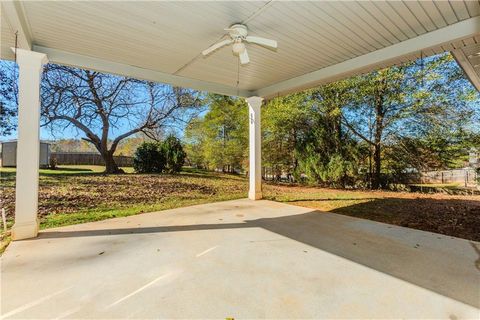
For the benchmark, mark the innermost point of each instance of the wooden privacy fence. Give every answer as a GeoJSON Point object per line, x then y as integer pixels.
{"type": "Point", "coordinates": [88, 158]}
{"type": "Point", "coordinates": [467, 177]}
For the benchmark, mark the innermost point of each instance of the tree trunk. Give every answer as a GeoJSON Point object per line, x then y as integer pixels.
{"type": "Point", "coordinates": [370, 168]}
{"type": "Point", "coordinates": [379, 117]}
{"type": "Point", "coordinates": [377, 158]}
{"type": "Point", "coordinates": [110, 165]}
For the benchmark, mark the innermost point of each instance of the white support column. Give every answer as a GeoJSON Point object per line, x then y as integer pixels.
{"type": "Point", "coordinates": [255, 191]}
{"type": "Point", "coordinates": [30, 66]}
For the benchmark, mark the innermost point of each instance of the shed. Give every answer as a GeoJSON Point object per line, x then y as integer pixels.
{"type": "Point", "coordinates": [9, 153]}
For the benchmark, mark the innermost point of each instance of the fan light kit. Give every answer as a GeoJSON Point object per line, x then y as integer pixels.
{"type": "Point", "coordinates": [238, 35]}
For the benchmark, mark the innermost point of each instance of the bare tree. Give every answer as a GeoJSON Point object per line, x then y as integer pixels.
{"type": "Point", "coordinates": [8, 97]}
{"type": "Point", "coordinates": [108, 108]}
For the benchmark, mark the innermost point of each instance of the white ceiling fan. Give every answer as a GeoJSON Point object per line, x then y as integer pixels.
{"type": "Point", "coordinates": [238, 34]}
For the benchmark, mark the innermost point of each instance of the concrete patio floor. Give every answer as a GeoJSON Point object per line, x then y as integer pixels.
{"type": "Point", "coordinates": [240, 259]}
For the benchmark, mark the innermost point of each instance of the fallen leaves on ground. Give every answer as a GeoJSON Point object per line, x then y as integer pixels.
{"type": "Point", "coordinates": [66, 194]}
{"type": "Point", "coordinates": [457, 216]}
{"type": "Point", "coordinates": [453, 215]}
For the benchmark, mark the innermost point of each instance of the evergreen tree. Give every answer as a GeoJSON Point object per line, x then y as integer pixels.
{"type": "Point", "coordinates": [221, 135]}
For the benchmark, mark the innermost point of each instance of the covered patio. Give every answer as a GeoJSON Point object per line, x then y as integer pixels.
{"type": "Point", "coordinates": [318, 42]}
{"type": "Point", "coordinates": [240, 259]}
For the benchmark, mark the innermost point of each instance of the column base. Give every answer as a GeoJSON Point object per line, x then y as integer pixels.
{"type": "Point", "coordinates": [25, 230]}
{"type": "Point", "coordinates": [252, 195]}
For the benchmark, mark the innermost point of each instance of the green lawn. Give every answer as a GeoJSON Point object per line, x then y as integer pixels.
{"type": "Point", "coordinates": [439, 185]}
{"type": "Point", "coordinates": [68, 169]}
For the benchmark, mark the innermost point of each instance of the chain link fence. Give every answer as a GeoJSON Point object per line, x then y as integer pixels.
{"type": "Point", "coordinates": [467, 177]}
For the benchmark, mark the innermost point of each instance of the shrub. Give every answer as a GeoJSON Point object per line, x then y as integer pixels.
{"type": "Point", "coordinates": [53, 163]}
{"type": "Point", "coordinates": [149, 158]}
{"type": "Point", "coordinates": [174, 154]}
{"type": "Point", "coordinates": [477, 171]}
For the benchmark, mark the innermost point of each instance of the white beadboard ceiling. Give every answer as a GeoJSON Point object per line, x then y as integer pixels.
{"type": "Point", "coordinates": [168, 37]}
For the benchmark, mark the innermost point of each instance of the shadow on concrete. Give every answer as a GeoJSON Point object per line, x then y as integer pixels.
{"type": "Point", "coordinates": [139, 230]}
{"type": "Point", "coordinates": [328, 199]}
{"type": "Point", "coordinates": [386, 249]}
{"type": "Point", "coordinates": [399, 252]}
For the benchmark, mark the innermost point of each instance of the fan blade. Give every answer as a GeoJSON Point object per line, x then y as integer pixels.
{"type": "Point", "coordinates": [262, 41]}
{"type": "Point", "coordinates": [244, 59]}
{"type": "Point", "coordinates": [216, 46]}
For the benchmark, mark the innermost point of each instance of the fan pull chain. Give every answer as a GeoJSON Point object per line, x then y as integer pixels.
{"type": "Point", "coordinates": [238, 77]}
{"type": "Point", "coordinates": [422, 65]}
{"type": "Point", "coordinates": [16, 45]}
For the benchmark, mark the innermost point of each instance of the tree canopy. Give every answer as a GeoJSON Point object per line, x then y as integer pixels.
{"type": "Point", "coordinates": [219, 139]}
{"type": "Point", "coordinates": [368, 130]}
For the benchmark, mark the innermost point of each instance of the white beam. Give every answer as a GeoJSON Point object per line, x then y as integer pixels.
{"type": "Point", "coordinates": [86, 62]}
{"type": "Point", "coordinates": [467, 67]}
{"type": "Point", "coordinates": [14, 13]}
{"type": "Point", "coordinates": [367, 62]}
{"type": "Point", "coordinates": [30, 65]}
{"type": "Point", "coordinates": [255, 150]}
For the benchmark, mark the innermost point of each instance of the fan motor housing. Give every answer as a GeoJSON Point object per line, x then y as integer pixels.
{"type": "Point", "coordinates": [238, 30]}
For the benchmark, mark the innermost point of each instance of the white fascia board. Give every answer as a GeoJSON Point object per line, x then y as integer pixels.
{"type": "Point", "coordinates": [451, 33]}
{"type": "Point", "coordinates": [92, 63]}
{"type": "Point", "coordinates": [467, 67]}
{"type": "Point", "coordinates": [13, 11]}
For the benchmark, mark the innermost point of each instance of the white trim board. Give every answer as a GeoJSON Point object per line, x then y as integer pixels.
{"type": "Point", "coordinates": [86, 62]}
{"type": "Point", "coordinates": [467, 67]}
{"type": "Point", "coordinates": [16, 19]}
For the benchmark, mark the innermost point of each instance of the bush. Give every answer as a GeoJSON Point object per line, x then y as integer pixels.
{"type": "Point", "coordinates": [53, 163]}
{"type": "Point", "coordinates": [477, 171]}
{"type": "Point", "coordinates": [174, 154]}
{"type": "Point", "coordinates": [149, 158]}
{"type": "Point", "coordinates": [157, 157]}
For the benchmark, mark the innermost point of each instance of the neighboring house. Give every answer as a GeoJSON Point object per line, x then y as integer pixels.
{"type": "Point", "coordinates": [9, 153]}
